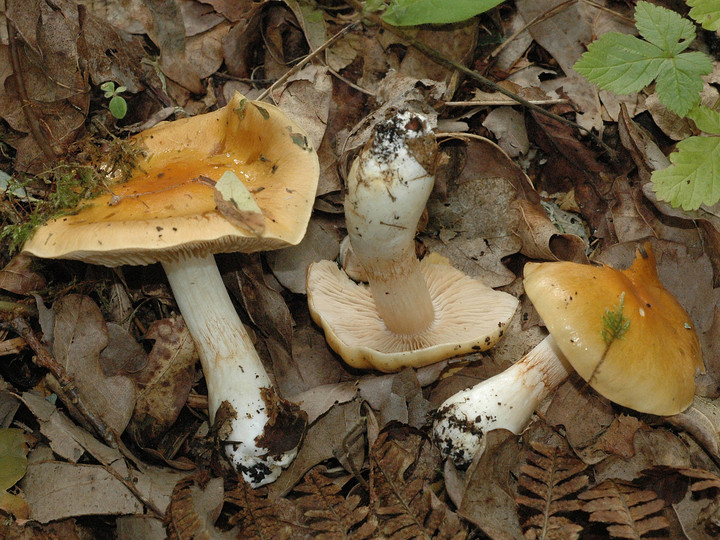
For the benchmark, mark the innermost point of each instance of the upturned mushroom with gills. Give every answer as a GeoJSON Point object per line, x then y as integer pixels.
{"type": "Point", "coordinates": [242, 178]}
{"type": "Point", "coordinates": [414, 312]}
{"type": "Point", "coordinates": [625, 334]}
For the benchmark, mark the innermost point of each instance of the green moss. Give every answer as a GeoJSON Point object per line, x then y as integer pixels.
{"type": "Point", "coordinates": [61, 190]}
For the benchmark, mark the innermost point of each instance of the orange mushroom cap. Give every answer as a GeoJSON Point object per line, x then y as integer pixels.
{"type": "Point", "coordinates": [651, 365]}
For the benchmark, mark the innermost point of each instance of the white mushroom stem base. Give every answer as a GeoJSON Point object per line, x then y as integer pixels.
{"type": "Point", "coordinates": [265, 430]}
{"type": "Point", "coordinates": [505, 401]}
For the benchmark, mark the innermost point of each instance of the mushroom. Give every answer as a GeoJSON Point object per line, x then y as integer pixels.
{"type": "Point", "coordinates": [413, 313]}
{"type": "Point", "coordinates": [621, 330]}
{"type": "Point", "coordinates": [184, 203]}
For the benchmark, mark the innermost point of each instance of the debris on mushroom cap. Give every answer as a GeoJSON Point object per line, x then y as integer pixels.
{"type": "Point", "coordinates": [648, 362]}
{"type": "Point", "coordinates": [168, 207]}
{"type": "Point", "coordinates": [470, 317]}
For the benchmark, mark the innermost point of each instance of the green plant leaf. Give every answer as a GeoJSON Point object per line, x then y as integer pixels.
{"type": "Point", "coordinates": [706, 13]}
{"type": "Point", "coordinates": [679, 81]}
{"type": "Point", "coordinates": [118, 107]}
{"type": "Point", "coordinates": [13, 462]}
{"type": "Point", "coordinates": [664, 28]}
{"type": "Point", "coordinates": [626, 64]}
{"type": "Point", "coordinates": [620, 62]}
{"type": "Point", "coordinates": [706, 119]}
{"type": "Point", "coordinates": [693, 178]}
{"type": "Point", "coordinates": [413, 12]}
{"type": "Point", "coordinates": [108, 86]}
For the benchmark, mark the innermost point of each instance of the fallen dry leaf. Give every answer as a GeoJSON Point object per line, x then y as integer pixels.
{"type": "Point", "coordinates": [165, 383]}
{"type": "Point", "coordinates": [18, 276]}
{"type": "Point", "coordinates": [69, 496]}
{"type": "Point", "coordinates": [79, 335]}
{"type": "Point", "coordinates": [491, 504]}
{"type": "Point", "coordinates": [472, 225]}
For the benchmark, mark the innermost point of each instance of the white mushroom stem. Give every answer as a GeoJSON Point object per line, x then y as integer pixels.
{"type": "Point", "coordinates": [233, 371]}
{"type": "Point", "coordinates": [505, 401]}
{"type": "Point", "coordinates": [387, 191]}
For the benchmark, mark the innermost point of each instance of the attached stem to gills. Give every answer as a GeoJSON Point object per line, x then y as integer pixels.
{"type": "Point", "coordinates": [388, 187]}
{"type": "Point", "coordinates": [234, 372]}
{"type": "Point", "coordinates": [506, 401]}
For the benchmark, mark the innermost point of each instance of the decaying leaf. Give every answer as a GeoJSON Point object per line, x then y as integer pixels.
{"type": "Point", "coordinates": [551, 479]}
{"type": "Point", "coordinates": [404, 465]}
{"type": "Point", "coordinates": [194, 507]}
{"type": "Point", "coordinates": [236, 203]}
{"type": "Point", "coordinates": [18, 276]}
{"type": "Point", "coordinates": [627, 511]}
{"type": "Point", "coordinates": [13, 465]}
{"type": "Point", "coordinates": [339, 433]}
{"type": "Point", "coordinates": [487, 498]}
{"type": "Point", "coordinates": [472, 225]}
{"type": "Point", "coordinates": [165, 383]}
{"type": "Point", "coordinates": [69, 495]}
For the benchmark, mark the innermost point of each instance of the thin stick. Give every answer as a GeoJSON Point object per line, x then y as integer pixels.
{"type": "Point", "coordinates": [297, 67]}
{"type": "Point", "coordinates": [436, 57]}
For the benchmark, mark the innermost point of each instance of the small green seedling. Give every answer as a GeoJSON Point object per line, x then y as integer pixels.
{"type": "Point", "coordinates": [117, 105]}
{"type": "Point", "coordinates": [626, 64]}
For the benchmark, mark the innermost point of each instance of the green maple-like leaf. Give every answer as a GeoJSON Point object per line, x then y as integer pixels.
{"type": "Point", "coordinates": [625, 64]}
{"type": "Point", "coordinates": [664, 28]}
{"type": "Point", "coordinates": [621, 63]}
{"type": "Point", "coordinates": [693, 178]}
{"type": "Point", "coordinates": [679, 81]}
{"type": "Point", "coordinates": [707, 120]}
{"type": "Point", "coordinates": [706, 12]}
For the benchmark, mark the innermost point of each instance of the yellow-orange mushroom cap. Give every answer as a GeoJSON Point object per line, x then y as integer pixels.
{"type": "Point", "coordinates": [167, 208]}
{"type": "Point", "coordinates": [651, 366]}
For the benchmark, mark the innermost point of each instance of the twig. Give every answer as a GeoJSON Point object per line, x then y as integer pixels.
{"type": "Point", "coordinates": [32, 121]}
{"type": "Point", "coordinates": [297, 67]}
{"type": "Point", "coordinates": [436, 57]}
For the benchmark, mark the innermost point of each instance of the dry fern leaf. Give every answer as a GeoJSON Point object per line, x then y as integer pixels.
{"type": "Point", "coordinates": [194, 506]}
{"type": "Point", "coordinates": [403, 503]}
{"type": "Point", "coordinates": [328, 513]}
{"type": "Point", "coordinates": [627, 511]}
{"type": "Point", "coordinates": [551, 480]}
{"type": "Point", "coordinates": [259, 518]}
{"type": "Point", "coordinates": [700, 479]}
